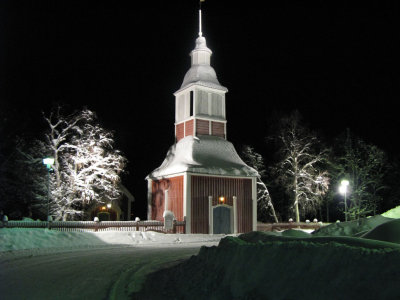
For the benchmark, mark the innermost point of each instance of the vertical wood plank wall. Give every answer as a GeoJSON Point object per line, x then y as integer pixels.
{"type": "Point", "coordinates": [203, 186]}
{"type": "Point", "coordinates": [175, 194]}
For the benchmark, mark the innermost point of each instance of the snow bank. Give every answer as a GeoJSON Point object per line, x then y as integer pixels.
{"type": "Point", "coordinates": [293, 268]}
{"type": "Point", "coordinates": [393, 213]}
{"type": "Point", "coordinates": [389, 232]}
{"type": "Point", "coordinates": [351, 228]}
{"type": "Point", "coordinates": [12, 239]}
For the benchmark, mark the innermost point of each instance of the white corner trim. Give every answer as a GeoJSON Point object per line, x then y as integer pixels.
{"type": "Point", "coordinates": [149, 197]}
{"type": "Point", "coordinates": [210, 215]}
{"type": "Point", "coordinates": [254, 198]}
{"type": "Point", "coordinates": [187, 201]}
{"type": "Point", "coordinates": [235, 215]}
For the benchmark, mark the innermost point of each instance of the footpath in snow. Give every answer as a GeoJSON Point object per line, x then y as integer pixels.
{"type": "Point", "coordinates": [49, 264]}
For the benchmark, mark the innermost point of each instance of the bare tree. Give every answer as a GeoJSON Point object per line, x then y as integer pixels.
{"type": "Point", "coordinates": [264, 202]}
{"type": "Point", "coordinates": [300, 166]}
{"type": "Point", "coordinates": [25, 186]}
{"type": "Point", "coordinates": [365, 166]}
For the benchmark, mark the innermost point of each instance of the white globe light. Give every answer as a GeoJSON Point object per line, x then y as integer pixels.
{"type": "Point", "coordinates": [344, 182]}
{"type": "Point", "coordinates": [48, 161]}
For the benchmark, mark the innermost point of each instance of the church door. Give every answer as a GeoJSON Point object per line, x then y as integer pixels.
{"type": "Point", "coordinates": [222, 219]}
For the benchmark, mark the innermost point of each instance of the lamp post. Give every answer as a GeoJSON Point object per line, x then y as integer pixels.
{"type": "Point", "coordinates": [49, 162]}
{"type": "Point", "coordinates": [343, 190]}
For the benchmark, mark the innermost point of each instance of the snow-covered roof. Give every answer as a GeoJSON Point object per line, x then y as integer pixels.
{"type": "Point", "coordinates": [203, 75]}
{"type": "Point", "coordinates": [203, 155]}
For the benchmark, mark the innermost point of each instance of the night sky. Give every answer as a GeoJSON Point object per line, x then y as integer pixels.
{"type": "Point", "coordinates": [337, 65]}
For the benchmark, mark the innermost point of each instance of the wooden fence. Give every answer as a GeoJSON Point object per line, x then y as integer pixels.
{"type": "Point", "coordinates": [285, 226]}
{"type": "Point", "coordinates": [177, 227]}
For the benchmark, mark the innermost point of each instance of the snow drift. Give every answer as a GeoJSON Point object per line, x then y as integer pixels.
{"type": "Point", "coordinates": [389, 232]}
{"type": "Point", "coordinates": [257, 266]}
{"type": "Point", "coordinates": [392, 213]}
{"type": "Point", "coordinates": [352, 228]}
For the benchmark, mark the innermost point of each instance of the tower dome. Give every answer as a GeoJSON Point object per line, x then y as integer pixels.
{"type": "Point", "coordinates": [201, 71]}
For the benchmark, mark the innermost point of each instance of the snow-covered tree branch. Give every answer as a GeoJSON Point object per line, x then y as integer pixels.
{"type": "Point", "coordinates": [86, 167]}
{"type": "Point", "coordinates": [264, 202]}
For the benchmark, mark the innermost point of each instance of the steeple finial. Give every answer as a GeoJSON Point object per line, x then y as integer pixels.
{"type": "Point", "coordinates": [200, 32]}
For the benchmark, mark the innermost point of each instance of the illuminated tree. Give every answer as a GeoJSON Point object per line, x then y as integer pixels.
{"type": "Point", "coordinates": [264, 202]}
{"type": "Point", "coordinates": [93, 167]}
{"type": "Point", "coordinates": [86, 168]}
{"type": "Point", "coordinates": [300, 167]}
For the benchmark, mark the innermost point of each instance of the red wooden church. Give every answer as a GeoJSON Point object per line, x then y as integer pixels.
{"type": "Point", "coordinates": [202, 179]}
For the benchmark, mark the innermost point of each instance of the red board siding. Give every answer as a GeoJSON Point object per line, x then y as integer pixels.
{"type": "Point", "coordinates": [202, 127]}
{"type": "Point", "coordinates": [203, 186]}
{"type": "Point", "coordinates": [180, 131]}
{"type": "Point", "coordinates": [189, 128]}
{"type": "Point", "coordinates": [218, 129]}
{"type": "Point", "coordinates": [175, 195]}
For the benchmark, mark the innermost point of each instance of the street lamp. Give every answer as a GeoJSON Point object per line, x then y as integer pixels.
{"type": "Point", "coordinates": [49, 162]}
{"type": "Point", "coordinates": [343, 190]}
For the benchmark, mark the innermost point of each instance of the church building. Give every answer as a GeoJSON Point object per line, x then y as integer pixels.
{"type": "Point", "coordinates": [202, 179]}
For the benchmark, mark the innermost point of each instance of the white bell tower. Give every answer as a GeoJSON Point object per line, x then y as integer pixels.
{"type": "Point", "coordinates": [200, 102]}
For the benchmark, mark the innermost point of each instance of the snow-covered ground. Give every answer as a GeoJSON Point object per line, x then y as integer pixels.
{"type": "Point", "coordinates": [12, 239]}
{"type": "Point", "coordinates": [49, 264]}
{"type": "Point", "coordinates": [350, 260]}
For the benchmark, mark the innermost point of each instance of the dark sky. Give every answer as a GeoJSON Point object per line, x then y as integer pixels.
{"type": "Point", "coordinates": [337, 65]}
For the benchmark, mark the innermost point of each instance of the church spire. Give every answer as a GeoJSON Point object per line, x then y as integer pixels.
{"type": "Point", "coordinates": [200, 102]}
{"type": "Point", "coordinates": [200, 33]}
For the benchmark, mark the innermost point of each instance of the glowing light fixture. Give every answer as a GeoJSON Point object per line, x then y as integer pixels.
{"type": "Point", "coordinates": [49, 162]}
{"type": "Point", "coordinates": [222, 200]}
{"type": "Point", "coordinates": [343, 190]}
{"type": "Point", "coordinates": [109, 205]}
{"type": "Point", "coordinates": [103, 208]}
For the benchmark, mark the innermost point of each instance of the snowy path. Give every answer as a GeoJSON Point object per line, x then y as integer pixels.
{"type": "Point", "coordinates": [111, 272]}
